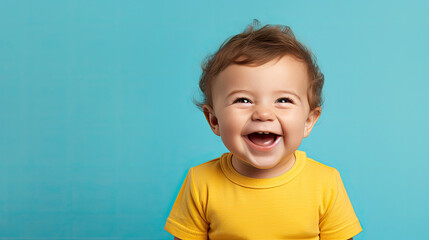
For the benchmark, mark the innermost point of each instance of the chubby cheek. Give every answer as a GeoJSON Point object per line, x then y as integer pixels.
{"type": "Point", "coordinates": [230, 128]}
{"type": "Point", "coordinates": [293, 129]}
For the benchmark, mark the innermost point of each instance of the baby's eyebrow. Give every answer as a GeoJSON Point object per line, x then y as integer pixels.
{"type": "Point", "coordinates": [237, 91]}
{"type": "Point", "coordinates": [276, 92]}
{"type": "Point", "coordinates": [288, 92]}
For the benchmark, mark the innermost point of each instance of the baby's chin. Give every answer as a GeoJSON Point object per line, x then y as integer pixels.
{"type": "Point", "coordinates": [267, 166]}
{"type": "Point", "coordinates": [257, 162]}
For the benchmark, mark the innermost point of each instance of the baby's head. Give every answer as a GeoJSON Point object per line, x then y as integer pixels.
{"type": "Point", "coordinates": [255, 47]}
{"type": "Point", "coordinates": [262, 94]}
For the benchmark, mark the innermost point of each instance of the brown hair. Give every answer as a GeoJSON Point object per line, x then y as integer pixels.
{"type": "Point", "coordinates": [257, 46]}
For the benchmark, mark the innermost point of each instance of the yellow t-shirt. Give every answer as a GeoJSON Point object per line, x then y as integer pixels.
{"type": "Point", "coordinates": [308, 202]}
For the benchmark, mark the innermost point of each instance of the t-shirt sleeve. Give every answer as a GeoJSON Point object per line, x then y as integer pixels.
{"type": "Point", "coordinates": [340, 221]}
{"type": "Point", "coordinates": [187, 218]}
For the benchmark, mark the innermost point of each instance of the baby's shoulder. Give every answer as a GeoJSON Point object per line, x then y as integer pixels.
{"type": "Point", "coordinates": [320, 170]}
{"type": "Point", "coordinates": [207, 170]}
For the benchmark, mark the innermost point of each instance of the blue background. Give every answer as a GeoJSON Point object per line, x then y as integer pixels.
{"type": "Point", "coordinates": [97, 127]}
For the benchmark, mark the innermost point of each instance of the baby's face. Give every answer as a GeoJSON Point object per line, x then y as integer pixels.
{"type": "Point", "coordinates": [262, 114]}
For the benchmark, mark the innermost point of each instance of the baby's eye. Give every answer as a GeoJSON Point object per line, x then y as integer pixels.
{"type": "Point", "coordinates": [241, 100]}
{"type": "Point", "coordinates": [285, 100]}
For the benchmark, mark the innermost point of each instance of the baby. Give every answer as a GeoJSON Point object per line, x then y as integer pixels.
{"type": "Point", "coordinates": [262, 95]}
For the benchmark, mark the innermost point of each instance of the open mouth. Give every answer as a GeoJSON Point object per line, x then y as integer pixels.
{"type": "Point", "coordinates": [263, 138]}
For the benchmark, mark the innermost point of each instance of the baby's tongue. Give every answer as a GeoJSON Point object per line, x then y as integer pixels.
{"type": "Point", "coordinates": [262, 139]}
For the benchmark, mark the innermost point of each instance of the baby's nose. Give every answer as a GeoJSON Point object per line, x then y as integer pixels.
{"type": "Point", "coordinates": [263, 114]}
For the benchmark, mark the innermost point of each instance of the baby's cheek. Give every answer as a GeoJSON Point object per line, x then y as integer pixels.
{"type": "Point", "coordinates": [228, 126]}
{"type": "Point", "coordinates": [230, 129]}
{"type": "Point", "coordinates": [293, 130]}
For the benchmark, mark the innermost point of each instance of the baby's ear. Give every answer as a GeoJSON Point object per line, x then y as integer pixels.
{"type": "Point", "coordinates": [211, 119]}
{"type": "Point", "coordinates": [312, 118]}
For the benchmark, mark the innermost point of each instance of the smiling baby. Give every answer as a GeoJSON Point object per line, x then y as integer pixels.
{"type": "Point", "coordinates": [262, 95]}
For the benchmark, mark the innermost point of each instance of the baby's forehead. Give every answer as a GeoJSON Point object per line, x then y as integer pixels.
{"type": "Point", "coordinates": [285, 73]}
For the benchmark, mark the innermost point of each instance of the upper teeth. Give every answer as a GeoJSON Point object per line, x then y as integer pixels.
{"type": "Point", "coordinates": [264, 132]}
